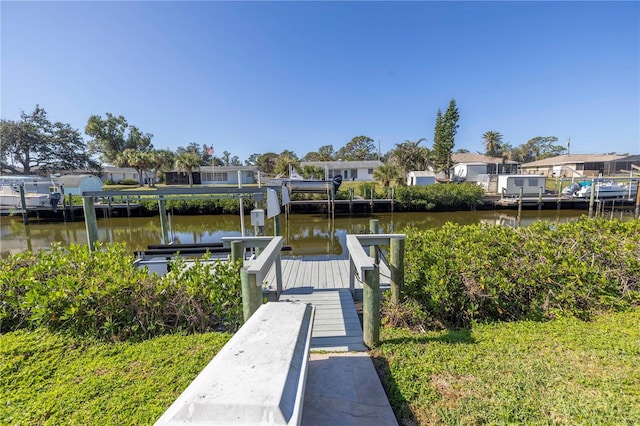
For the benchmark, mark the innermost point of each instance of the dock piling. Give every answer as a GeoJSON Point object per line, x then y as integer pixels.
{"type": "Point", "coordinates": [371, 307]}
{"type": "Point", "coordinates": [396, 264]}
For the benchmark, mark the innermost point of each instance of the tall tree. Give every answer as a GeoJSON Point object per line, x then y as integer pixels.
{"type": "Point", "coordinates": [324, 153]}
{"type": "Point", "coordinates": [112, 135]}
{"type": "Point", "coordinates": [285, 161]}
{"type": "Point", "coordinates": [493, 143]}
{"type": "Point", "coordinates": [35, 143]}
{"type": "Point", "coordinates": [160, 160]}
{"type": "Point", "coordinates": [266, 162]}
{"type": "Point", "coordinates": [141, 161]}
{"type": "Point", "coordinates": [539, 148]}
{"type": "Point", "coordinates": [409, 156]}
{"type": "Point", "coordinates": [444, 137]}
{"type": "Point", "coordinates": [358, 149]}
{"type": "Point", "coordinates": [188, 162]}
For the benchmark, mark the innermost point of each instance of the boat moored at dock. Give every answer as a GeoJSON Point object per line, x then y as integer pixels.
{"type": "Point", "coordinates": [38, 192]}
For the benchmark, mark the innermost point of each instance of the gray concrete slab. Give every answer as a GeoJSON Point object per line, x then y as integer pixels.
{"type": "Point", "coordinates": [344, 389]}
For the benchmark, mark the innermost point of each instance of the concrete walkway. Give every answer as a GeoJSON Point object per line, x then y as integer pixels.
{"type": "Point", "coordinates": [344, 389]}
{"type": "Point", "coordinates": [342, 386]}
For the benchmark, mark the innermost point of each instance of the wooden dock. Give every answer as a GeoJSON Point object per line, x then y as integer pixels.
{"type": "Point", "coordinates": [323, 281]}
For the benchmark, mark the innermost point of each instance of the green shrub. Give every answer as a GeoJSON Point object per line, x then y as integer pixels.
{"type": "Point", "coordinates": [103, 294]}
{"type": "Point", "coordinates": [439, 197]}
{"type": "Point", "coordinates": [462, 274]}
{"type": "Point", "coordinates": [109, 182]}
{"type": "Point", "coordinates": [128, 181]}
{"type": "Point", "coordinates": [199, 206]}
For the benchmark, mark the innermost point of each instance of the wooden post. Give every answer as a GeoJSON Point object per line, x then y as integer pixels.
{"type": "Point", "coordinates": [162, 211]}
{"type": "Point", "coordinates": [559, 195]}
{"type": "Point", "coordinates": [350, 201]}
{"type": "Point", "coordinates": [540, 199]}
{"type": "Point", "coordinates": [396, 264]}
{"type": "Point", "coordinates": [373, 190]}
{"type": "Point", "coordinates": [393, 197]}
{"type": "Point", "coordinates": [592, 197]}
{"type": "Point", "coordinates": [374, 227]}
{"type": "Point", "coordinates": [371, 308]}
{"type": "Point", "coordinates": [91, 222]}
{"type": "Point", "coordinates": [519, 207]}
{"type": "Point", "coordinates": [128, 207]}
{"type": "Point", "coordinates": [71, 209]}
{"type": "Point", "coordinates": [23, 203]}
{"type": "Point", "coordinates": [64, 204]}
{"type": "Point", "coordinates": [613, 207]}
{"type": "Point", "coordinates": [237, 251]}
{"type": "Point", "coordinates": [251, 294]}
{"type": "Point", "coordinates": [276, 226]}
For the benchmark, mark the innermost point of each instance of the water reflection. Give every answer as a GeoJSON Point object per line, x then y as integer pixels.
{"type": "Point", "coordinates": [307, 234]}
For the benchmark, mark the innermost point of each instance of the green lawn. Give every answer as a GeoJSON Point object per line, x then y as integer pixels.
{"type": "Point", "coordinates": [54, 379]}
{"type": "Point", "coordinates": [561, 372]}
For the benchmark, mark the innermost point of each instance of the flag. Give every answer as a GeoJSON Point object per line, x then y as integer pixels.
{"type": "Point", "coordinates": [210, 150]}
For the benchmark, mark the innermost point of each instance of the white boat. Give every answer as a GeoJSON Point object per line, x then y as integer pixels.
{"type": "Point", "coordinates": [604, 188]}
{"type": "Point", "coordinates": [38, 192]}
{"type": "Point", "coordinates": [296, 183]}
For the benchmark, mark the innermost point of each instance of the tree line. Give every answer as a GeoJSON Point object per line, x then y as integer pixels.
{"type": "Point", "coordinates": [36, 144]}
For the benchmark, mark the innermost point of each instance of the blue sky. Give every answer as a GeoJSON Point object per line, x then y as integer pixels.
{"type": "Point", "coordinates": [255, 77]}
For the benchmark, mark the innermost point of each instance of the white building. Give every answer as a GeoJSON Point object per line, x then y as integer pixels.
{"type": "Point", "coordinates": [417, 178]}
{"type": "Point", "coordinates": [349, 170]}
{"type": "Point", "coordinates": [511, 184]}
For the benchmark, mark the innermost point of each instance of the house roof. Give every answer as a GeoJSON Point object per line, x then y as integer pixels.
{"type": "Point", "coordinates": [573, 159]}
{"type": "Point", "coordinates": [471, 157]}
{"type": "Point", "coordinates": [343, 164]}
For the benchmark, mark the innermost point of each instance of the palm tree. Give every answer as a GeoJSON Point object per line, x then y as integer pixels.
{"type": "Point", "coordinates": [139, 160]}
{"type": "Point", "coordinates": [187, 162]}
{"type": "Point", "coordinates": [492, 143]}
{"type": "Point", "coordinates": [409, 155]}
{"type": "Point", "coordinates": [386, 174]}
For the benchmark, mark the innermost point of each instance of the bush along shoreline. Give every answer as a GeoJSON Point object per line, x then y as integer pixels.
{"type": "Point", "coordinates": [107, 297]}
{"type": "Point", "coordinates": [442, 197]}
{"type": "Point", "coordinates": [454, 276]}
{"type": "Point", "coordinates": [458, 275]}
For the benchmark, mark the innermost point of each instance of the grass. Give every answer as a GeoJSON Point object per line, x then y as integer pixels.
{"type": "Point", "coordinates": [52, 379]}
{"type": "Point", "coordinates": [561, 372]}
{"type": "Point", "coordinates": [564, 371]}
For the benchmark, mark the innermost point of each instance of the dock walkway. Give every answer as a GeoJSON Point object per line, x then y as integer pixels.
{"type": "Point", "coordinates": [342, 386]}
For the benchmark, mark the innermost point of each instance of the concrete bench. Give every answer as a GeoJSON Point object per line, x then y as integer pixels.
{"type": "Point", "coordinates": [257, 378]}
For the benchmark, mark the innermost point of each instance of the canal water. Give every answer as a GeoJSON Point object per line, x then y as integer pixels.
{"type": "Point", "coordinates": [307, 234]}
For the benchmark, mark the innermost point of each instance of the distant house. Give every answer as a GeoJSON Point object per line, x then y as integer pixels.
{"type": "Point", "coordinates": [576, 165]}
{"type": "Point", "coordinates": [209, 175]}
{"type": "Point", "coordinates": [474, 167]}
{"type": "Point", "coordinates": [350, 170]}
{"type": "Point", "coordinates": [418, 178]}
{"type": "Point", "coordinates": [77, 184]}
{"type": "Point", "coordinates": [116, 174]}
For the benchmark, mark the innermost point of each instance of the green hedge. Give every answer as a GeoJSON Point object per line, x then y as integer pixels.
{"type": "Point", "coordinates": [439, 197]}
{"type": "Point", "coordinates": [200, 206]}
{"type": "Point", "coordinates": [461, 274]}
{"type": "Point", "coordinates": [103, 294]}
